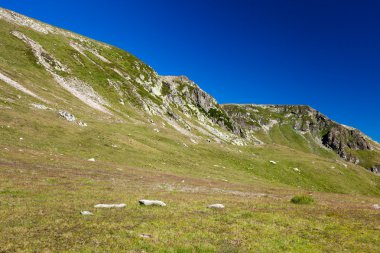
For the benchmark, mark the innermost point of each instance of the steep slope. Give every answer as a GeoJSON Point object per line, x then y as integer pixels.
{"type": "Point", "coordinates": [49, 75]}
{"type": "Point", "coordinates": [112, 81]}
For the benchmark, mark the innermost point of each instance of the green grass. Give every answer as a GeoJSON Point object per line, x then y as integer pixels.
{"type": "Point", "coordinates": [302, 200]}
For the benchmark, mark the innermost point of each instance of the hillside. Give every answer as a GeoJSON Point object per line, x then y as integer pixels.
{"type": "Point", "coordinates": [83, 122]}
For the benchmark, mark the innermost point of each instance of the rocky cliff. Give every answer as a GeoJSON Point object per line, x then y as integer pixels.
{"type": "Point", "coordinates": [303, 120]}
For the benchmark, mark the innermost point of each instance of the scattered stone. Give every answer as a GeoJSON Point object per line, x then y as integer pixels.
{"type": "Point", "coordinates": [21, 138]}
{"type": "Point", "coordinates": [375, 169]}
{"type": "Point", "coordinates": [110, 205]}
{"type": "Point", "coordinates": [91, 160]}
{"type": "Point", "coordinates": [296, 169]}
{"type": "Point", "coordinates": [216, 206]}
{"type": "Point", "coordinates": [376, 206]}
{"type": "Point", "coordinates": [86, 213]}
{"type": "Point", "coordinates": [156, 130]}
{"type": "Point", "coordinates": [193, 141]}
{"type": "Point", "coordinates": [147, 202]}
{"type": "Point", "coordinates": [82, 124]}
{"type": "Point", "coordinates": [66, 115]}
{"type": "Point", "coordinates": [146, 236]}
{"type": "Point", "coordinates": [273, 162]}
{"type": "Point", "coordinates": [39, 106]}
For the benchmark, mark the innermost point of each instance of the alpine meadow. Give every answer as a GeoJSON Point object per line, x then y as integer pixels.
{"type": "Point", "coordinates": [100, 153]}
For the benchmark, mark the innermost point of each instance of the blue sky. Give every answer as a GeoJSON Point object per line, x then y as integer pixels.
{"type": "Point", "coordinates": [322, 53]}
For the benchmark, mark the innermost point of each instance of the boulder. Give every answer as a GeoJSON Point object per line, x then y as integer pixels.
{"type": "Point", "coordinates": [147, 202]}
{"type": "Point", "coordinates": [216, 206]}
{"type": "Point", "coordinates": [375, 169]}
{"type": "Point", "coordinates": [110, 205]}
{"type": "Point", "coordinates": [66, 115]}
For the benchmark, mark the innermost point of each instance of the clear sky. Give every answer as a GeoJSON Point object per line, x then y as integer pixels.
{"type": "Point", "coordinates": [322, 53]}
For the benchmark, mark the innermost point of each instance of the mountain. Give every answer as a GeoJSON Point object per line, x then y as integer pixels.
{"type": "Point", "coordinates": [77, 114]}
{"type": "Point", "coordinates": [304, 128]}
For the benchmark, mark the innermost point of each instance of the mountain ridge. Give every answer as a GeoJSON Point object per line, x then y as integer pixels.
{"type": "Point", "coordinates": [125, 82]}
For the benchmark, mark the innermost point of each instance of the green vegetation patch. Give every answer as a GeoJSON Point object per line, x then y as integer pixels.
{"type": "Point", "coordinates": [302, 200]}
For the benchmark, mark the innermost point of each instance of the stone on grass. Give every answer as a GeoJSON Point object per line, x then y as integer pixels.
{"type": "Point", "coordinates": [82, 124]}
{"type": "Point", "coordinates": [91, 160]}
{"type": "Point", "coordinates": [39, 106]}
{"type": "Point", "coordinates": [146, 236]}
{"type": "Point", "coordinates": [273, 162]}
{"type": "Point", "coordinates": [66, 115]}
{"type": "Point", "coordinates": [86, 213]}
{"type": "Point", "coordinates": [147, 202]}
{"type": "Point", "coordinates": [110, 205]}
{"type": "Point", "coordinates": [216, 206]}
{"type": "Point", "coordinates": [376, 206]}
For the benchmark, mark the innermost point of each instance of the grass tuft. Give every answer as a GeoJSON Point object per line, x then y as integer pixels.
{"type": "Point", "coordinates": [302, 200]}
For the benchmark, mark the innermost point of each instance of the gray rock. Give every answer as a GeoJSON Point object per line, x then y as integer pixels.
{"type": "Point", "coordinates": [110, 205]}
{"type": "Point", "coordinates": [375, 169]}
{"type": "Point", "coordinates": [66, 115]}
{"type": "Point", "coordinates": [216, 206]}
{"type": "Point", "coordinates": [146, 236]}
{"type": "Point", "coordinates": [147, 202]}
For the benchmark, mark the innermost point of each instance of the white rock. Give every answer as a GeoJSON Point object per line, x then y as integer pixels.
{"type": "Point", "coordinates": [110, 205]}
{"type": "Point", "coordinates": [86, 213]}
{"type": "Point", "coordinates": [145, 236]}
{"type": "Point", "coordinates": [156, 130]}
{"type": "Point", "coordinates": [91, 160]}
{"type": "Point", "coordinates": [147, 202]}
{"type": "Point", "coordinates": [376, 206]}
{"type": "Point", "coordinates": [296, 169]}
{"type": "Point", "coordinates": [273, 162]}
{"type": "Point", "coordinates": [39, 106]}
{"type": "Point", "coordinates": [216, 206]}
{"type": "Point", "coordinates": [68, 116]}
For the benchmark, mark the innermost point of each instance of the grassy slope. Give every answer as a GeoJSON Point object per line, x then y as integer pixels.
{"type": "Point", "coordinates": [45, 179]}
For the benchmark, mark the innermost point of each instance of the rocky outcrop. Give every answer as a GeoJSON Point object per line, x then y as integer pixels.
{"type": "Point", "coordinates": [303, 119]}
{"type": "Point", "coordinates": [375, 169]}
{"type": "Point", "coordinates": [192, 100]}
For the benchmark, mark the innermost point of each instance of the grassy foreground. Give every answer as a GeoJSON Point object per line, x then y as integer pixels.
{"type": "Point", "coordinates": [40, 212]}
